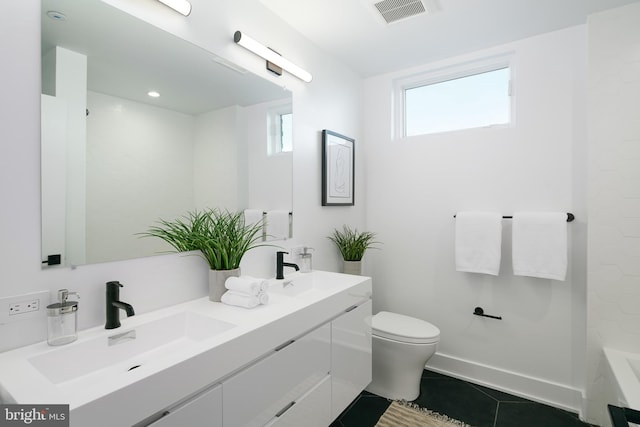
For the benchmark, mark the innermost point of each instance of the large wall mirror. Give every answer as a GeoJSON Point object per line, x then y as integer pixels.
{"type": "Point", "coordinates": [115, 159]}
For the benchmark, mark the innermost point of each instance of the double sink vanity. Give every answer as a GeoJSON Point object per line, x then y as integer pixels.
{"type": "Point", "coordinates": [299, 360]}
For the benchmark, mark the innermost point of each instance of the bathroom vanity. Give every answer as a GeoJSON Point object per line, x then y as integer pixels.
{"type": "Point", "coordinates": [299, 360]}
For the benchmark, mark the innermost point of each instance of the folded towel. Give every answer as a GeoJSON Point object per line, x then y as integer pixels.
{"type": "Point", "coordinates": [252, 216]}
{"type": "Point", "coordinates": [277, 225]}
{"type": "Point", "coordinates": [246, 284]}
{"type": "Point", "coordinates": [540, 244]}
{"type": "Point", "coordinates": [239, 299]}
{"type": "Point", "coordinates": [478, 242]}
{"type": "Point", "coordinates": [263, 297]}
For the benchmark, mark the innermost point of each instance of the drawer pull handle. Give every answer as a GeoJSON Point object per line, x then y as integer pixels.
{"type": "Point", "coordinates": [285, 409]}
{"type": "Point", "coordinates": [353, 307]}
{"type": "Point", "coordinates": [281, 346]}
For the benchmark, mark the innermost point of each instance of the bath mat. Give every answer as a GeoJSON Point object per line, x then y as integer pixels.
{"type": "Point", "coordinates": [403, 414]}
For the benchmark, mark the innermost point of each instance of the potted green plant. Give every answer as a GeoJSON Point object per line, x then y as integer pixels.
{"type": "Point", "coordinates": [352, 245]}
{"type": "Point", "coordinates": [221, 237]}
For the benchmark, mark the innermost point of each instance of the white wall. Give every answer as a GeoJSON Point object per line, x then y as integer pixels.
{"type": "Point", "coordinates": [330, 101]}
{"type": "Point", "coordinates": [416, 185]}
{"type": "Point", "coordinates": [614, 192]}
{"type": "Point", "coordinates": [268, 175]}
{"type": "Point", "coordinates": [274, 193]}
{"type": "Point", "coordinates": [218, 145]}
{"type": "Point", "coordinates": [146, 163]}
{"type": "Point", "coordinates": [71, 83]}
{"type": "Point", "coordinates": [139, 168]}
{"type": "Point", "coordinates": [54, 176]}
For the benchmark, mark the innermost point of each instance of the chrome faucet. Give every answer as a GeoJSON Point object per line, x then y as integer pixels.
{"type": "Point", "coordinates": [114, 305]}
{"type": "Point", "coordinates": [280, 264]}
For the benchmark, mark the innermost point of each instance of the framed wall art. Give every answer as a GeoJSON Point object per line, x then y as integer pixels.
{"type": "Point", "coordinates": [338, 167]}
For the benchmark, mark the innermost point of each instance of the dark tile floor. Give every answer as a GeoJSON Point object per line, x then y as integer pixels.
{"type": "Point", "coordinates": [476, 405]}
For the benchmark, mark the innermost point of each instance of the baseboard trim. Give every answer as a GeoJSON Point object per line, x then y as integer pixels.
{"type": "Point", "coordinates": [536, 389]}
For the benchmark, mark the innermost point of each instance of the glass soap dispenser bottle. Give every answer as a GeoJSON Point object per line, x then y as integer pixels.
{"type": "Point", "coordinates": [305, 260]}
{"type": "Point", "coordinates": [62, 322]}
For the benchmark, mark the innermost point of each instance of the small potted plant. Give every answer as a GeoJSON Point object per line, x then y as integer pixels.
{"type": "Point", "coordinates": [352, 245]}
{"type": "Point", "coordinates": [221, 237]}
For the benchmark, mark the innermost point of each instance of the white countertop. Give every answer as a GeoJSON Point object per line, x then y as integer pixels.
{"type": "Point", "coordinates": [166, 379]}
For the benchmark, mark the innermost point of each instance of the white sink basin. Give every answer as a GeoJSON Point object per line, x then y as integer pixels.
{"type": "Point", "coordinates": [126, 348]}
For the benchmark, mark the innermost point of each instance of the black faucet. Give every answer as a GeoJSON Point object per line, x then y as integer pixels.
{"type": "Point", "coordinates": [114, 305]}
{"type": "Point", "coordinates": [280, 264]}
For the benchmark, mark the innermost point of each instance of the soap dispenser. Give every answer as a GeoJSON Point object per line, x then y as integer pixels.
{"type": "Point", "coordinates": [62, 324]}
{"type": "Point", "coordinates": [305, 260]}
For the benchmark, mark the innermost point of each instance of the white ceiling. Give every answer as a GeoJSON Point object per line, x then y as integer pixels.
{"type": "Point", "coordinates": [353, 31]}
{"type": "Point", "coordinates": [127, 57]}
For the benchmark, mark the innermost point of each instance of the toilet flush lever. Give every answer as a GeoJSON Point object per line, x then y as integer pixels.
{"type": "Point", "coordinates": [478, 311]}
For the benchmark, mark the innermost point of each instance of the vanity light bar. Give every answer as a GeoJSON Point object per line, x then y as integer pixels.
{"type": "Point", "coordinates": [180, 6]}
{"type": "Point", "coordinates": [271, 56]}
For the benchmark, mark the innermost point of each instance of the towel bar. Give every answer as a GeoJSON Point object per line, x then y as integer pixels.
{"type": "Point", "coordinates": [478, 311]}
{"type": "Point", "coordinates": [570, 217]}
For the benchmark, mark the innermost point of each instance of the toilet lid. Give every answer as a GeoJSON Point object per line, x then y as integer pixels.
{"type": "Point", "coordinates": [404, 328]}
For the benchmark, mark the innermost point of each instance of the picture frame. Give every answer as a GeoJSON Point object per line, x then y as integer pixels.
{"type": "Point", "coordinates": [338, 169]}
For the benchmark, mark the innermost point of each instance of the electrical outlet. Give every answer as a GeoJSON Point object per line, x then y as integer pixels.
{"type": "Point", "coordinates": [24, 307]}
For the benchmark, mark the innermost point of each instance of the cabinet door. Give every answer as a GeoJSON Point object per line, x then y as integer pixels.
{"type": "Point", "coordinates": [256, 394]}
{"type": "Point", "coordinates": [350, 356]}
{"type": "Point", "coordinates": [311, 410]}
{"type": "Point", "coordinates": [204, 410]}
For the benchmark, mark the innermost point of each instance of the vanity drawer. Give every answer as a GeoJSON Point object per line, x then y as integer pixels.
{"type": "Point", "coordinates": [203, 410]}
{"type": "Point", "coordinates": [255, 395]}
{"type": "Point", "coordinates": [311, 410]}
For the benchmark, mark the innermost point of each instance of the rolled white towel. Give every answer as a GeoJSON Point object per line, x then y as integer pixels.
{"type": "Point", "coordinates": [246, 284]}
{"type": "Point", "coordinates": [240, 299]}
{"type": "Point", "coordinates": [263, 297]}
{"type": "Point", "coordinates": [264, 286]}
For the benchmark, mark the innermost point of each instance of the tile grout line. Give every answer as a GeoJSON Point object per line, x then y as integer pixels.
{"type": "Point", "coordinates": [495, 419]}
{"type": "Point", "coordinates": [482, 391]}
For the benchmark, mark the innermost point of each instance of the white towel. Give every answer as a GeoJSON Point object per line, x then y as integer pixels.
{"type": "Point", "coordinates": [277, 225]}
{"type": "Point", "coordinates": [478, 242]}
{"type": "Point", "coordinates": [252, 216]}
{"type": "Point", "coordinates": [240, 299]}
{"type": "Point", "coordinates": [263, 297]}
{"type": "Point", "coordinates": [246, 284]}
{"type": "Point", "coordinates": [540, 244]}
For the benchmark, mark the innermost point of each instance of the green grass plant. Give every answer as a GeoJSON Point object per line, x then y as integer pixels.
{"type": "Point", "coordinates": [351, 243]}
{"type": "Point", "coordinates": [221, 237]}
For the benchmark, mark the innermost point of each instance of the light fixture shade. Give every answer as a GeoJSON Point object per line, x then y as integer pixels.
{"type": "Point", "coordinates": [261, 50]}
{"type": "Point", "coordinates": [180, 6]}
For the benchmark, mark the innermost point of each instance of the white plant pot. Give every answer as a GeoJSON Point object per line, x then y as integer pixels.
{"type": "Point", "coordinates": [352, 267]}
{"type": "Point", "coordinates": [216, 282]}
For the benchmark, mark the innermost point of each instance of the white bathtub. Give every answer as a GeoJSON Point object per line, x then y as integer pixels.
{"type": "Point", "coordinates": [624, 382]}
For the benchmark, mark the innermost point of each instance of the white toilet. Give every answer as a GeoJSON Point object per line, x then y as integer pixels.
{"type": "Point", "coordinates": [401, 347]}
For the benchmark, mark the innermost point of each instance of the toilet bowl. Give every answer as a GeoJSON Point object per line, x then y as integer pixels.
{"type": "Point", "coordinates": [401, 347]}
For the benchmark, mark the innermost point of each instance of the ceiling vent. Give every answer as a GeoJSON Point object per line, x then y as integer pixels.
{"type": "Point", "coordinates": [396, 10]}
